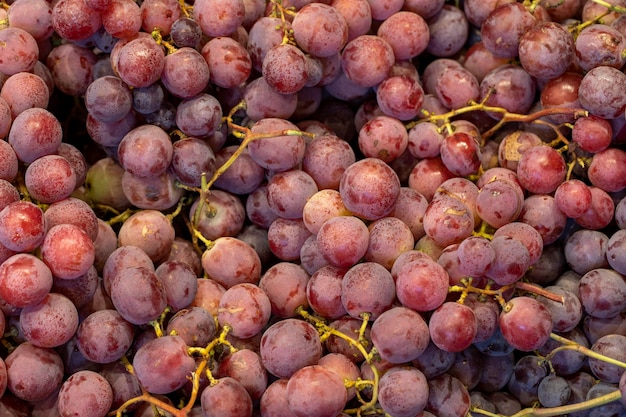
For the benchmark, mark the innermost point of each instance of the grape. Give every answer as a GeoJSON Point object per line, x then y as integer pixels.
{"type": "Point", "coordinates": [74, 19]}
{"type": "Point", "coordinates": [567, 363]}
{"type": "Point", "coordinates": [605, 170]}
{"type": "Point", "coordinates": [262, 36]}
{"type": "Point", "coordinates": [367, 60]}
{"type": "Point", "coordinates": [384, 138]}
{"type": "Point", "coordinates": [601, 211]}
{"type": "Point", "coordinates": [34, 133]}
{"type": "Point", "coordinates": [403, 391]}
{"type": "Point", "coordinates": [228, 398]}
{"type": "Point", "coordinates": [288, 192]}
{"type": "Point", "coordinates": [286, 238]}
{"type": "Point", "coordinates": [600, 92]}
{"type": "Point", "coordinates": [406, 32]}
{"type": "Point", "coordinates": [22, 226]}
{"type": "Point", "coordinates": [541, 212]}
{"type": "Point", "coordinates": [194, 325]}
{"type": "Point", "coordinates": [496, 371]}
{"type": "Point", "coordinates": [185, 73]}
{"type": "Point", "coordinates": [600, 292]}
{"type": "Point", "coordinates": [343, 88]}
{"type": "Point", "coordinates": [389, 237]}
{"type": "Point", "coordinates": [504, 26]}
{"type": "Point", "coordinates": [9, 165]}
{"type": "Point", "coordinates": [68, 251]}
{"type": "Point", "coordinates": [528, 373]}
{"type": "Point", "coordinates": [367, 288]}
{"type": "Point", "coordinates": [104, 336]}
{"type": "Point", "coordinates": [400, 335]}
{"type": "Point", "coordinates": [208, 295]}
{"type": "Point", "coordinates": [163, 365]}
{"type": "Point", "coordinates": [50, 178]}
{"type": "Point", "coordinates": [140, 62]}
{"type": "Point", "coordinates": [149, 230]}
{"type": "Point", "coordinates": [122, 19]}
{"type": "Point", "coordinates": [422, 284]}
{"type": "Point", "coordinates": [285, 69]}
{"type": "Point", "coordinates": [245, 366]}
{"type": "Point", "coordinates": [138, 294]}
{"type": "Point", "coordinates": [427, 175]}
{"type": "Point", "coordinates": [467, 367]}
{"type": "Point", "coordinates": [289, 345]}
{"type": "Point", "coordinates": [191, 158]}
{"type": "Point", "coordinates": [315, 391]}
{"type": "Point", "coordinates": [325, 159]}
{"type": "Point", "coordinates": [33, 373]}
{"type": "Point", "coordinates": [573, 198]}
{"type": "Point", "coordinates": [599, 44]}
{"type": "Point", "coordinates": [24, 90]}
{"type": "Point", "coordinates": [545, 62]}
{"type": "Point", "coordinates": [592, 134]}
{"type": "Point", "coordinates": [285, 285]}
{"type": "Point", "coordinates": [511, 88]}
{"type": "Point", "coordinates": [34, 16]}
{"type": "Point", "coordinates": [278, 153]}
{"type": "Point", "coordinates": [180, 281]}
{"type": "Point", "coordinates": [317, 38]}
{"type": "Point", "coordinates": [586, 250]}
{"type": "Point", "coordinates": [448, 220]}
{"type": "Point", "coordinates": [229, 62]}
{"type": "Point", "coordinates": [513, 146]}
{"type": "Point", "coordinates": [511, 261]}
{"type": "Point", "coordinates": [452, 326]}
{"type": "Point", "coordinates": [119, 259]}
{"type": "Point", "coordinates": [369, 188]}
{"type": "Point", "coordinates": [231, 261]}
{"type": "Point", "coordinates": [447, 396]}
{"type": "Point", "coordinates": [310, 256]}
{"type": "Point", "coordinates": [219, 18]}
{"type": "Point", "coordinates": [141, 141]}
{"type": "Point", "coordinates": [448, 30]}
{"type": "Point", "coordinates": [611, 346]}
{"type": "Point", "coordinates": [525, 323]}
{"type": "Point", "coordinates": [50, 323]}
{"type": "Point", "coordinates": [124, 385]}
{"type": "Point", "coordinates": [245, 308]}
{"type": "Point", "coordinates": [599, 390]}
{"type": "Point", "coordinates": [460, 153]}
{"type": "Point", "coordinates": [19, 51]}
{"type": "Point", "coordinates": [274, 400]}
{"type": "Point", "coordinates": [24, 280]}
{"type": "Point", "coordinates": [73, 211]}
{"type": "Point", "coordinates": [613, 251]}
{"type": "Point", "coordinates": [323, 292]}
{"type": "Point", "coordinates": [159, 14]}
{"type": "Point", "coordinates": [479, 61]}
{"type": "Point", "coordinates": [244, 175]}
{"type": "Point", "coordinates": [156, 193]}
{"type": "Point", "coordinates": [79, 290]}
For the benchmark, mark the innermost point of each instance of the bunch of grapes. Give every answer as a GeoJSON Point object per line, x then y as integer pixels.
{"type": "Point", "coordinates": [276, 208]}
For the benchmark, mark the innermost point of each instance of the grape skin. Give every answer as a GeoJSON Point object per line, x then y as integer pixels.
{"type": "Point", "coordinates": [287, 224]}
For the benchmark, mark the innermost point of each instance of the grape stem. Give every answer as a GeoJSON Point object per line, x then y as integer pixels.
{"type": "Point", "coordinates": [507, 116]}
{"type": "Point", "coordinates": [467, 287]}
{"type": "Point", "coordinates": [571, 345]}
{"type": "Point", "coordinates": [557, 411]}
{"type": "Point", "coordinates": [325, 332]}
{"type": "Point", "coordinates": [610, 7]}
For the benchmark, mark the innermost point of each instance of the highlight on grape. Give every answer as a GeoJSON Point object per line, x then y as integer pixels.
{"type": "Point", "coordinates": [296, 208]}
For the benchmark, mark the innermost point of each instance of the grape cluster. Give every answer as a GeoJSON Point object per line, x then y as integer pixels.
{"type": "Point", "coordinates": [275, 208]}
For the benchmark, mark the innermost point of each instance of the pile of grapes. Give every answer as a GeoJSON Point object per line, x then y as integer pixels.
{"type": "Point", "coordinates": [237, 208]}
